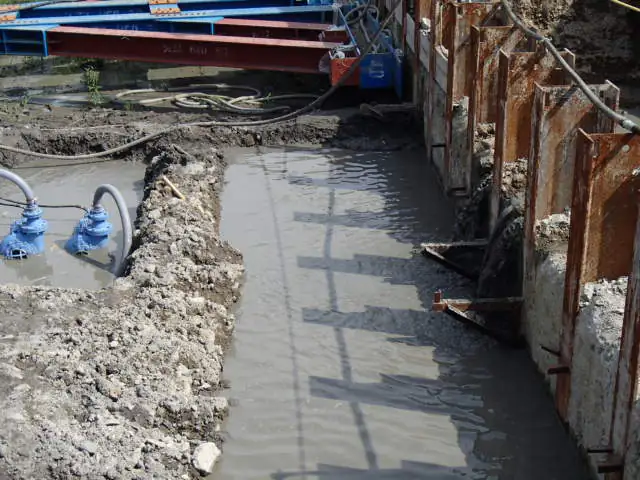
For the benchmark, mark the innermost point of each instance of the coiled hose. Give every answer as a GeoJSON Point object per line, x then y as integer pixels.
{"type": "Point", "coordinates": [254, 102]}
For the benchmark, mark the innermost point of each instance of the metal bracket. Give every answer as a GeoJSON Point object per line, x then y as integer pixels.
{"type": "Point", "coordinates": [437, 252]}
{"type": "Point", "coordinates": [458, 308]}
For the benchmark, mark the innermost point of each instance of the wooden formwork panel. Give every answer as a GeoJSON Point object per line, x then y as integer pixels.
{"type": "Point", "coordinates": [518, 74]}
{"type": "Point", "coordinates": [603, 226]}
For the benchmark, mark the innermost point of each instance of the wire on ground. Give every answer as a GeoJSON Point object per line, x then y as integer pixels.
{"type": "Point", "coordinates": [252, 104]}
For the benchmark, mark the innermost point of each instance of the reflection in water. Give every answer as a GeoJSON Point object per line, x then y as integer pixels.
{"type": "Point", "coordinates": [73, 184]}
{"type": "Point", "coordinates": [31, 271]}
{"type": "Point", "coordinates": [339, 366]}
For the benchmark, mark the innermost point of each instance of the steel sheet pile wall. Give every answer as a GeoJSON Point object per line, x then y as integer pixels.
{"type": "Point", "coordinates": [472, 67]}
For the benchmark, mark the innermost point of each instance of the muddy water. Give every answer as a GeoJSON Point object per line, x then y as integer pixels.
{"type": "Point", "coordinates": [65, 184]}
{"type": "Point", "coordinates": [338, 367]}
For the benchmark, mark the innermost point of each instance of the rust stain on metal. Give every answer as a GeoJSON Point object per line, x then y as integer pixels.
{"type": "Point", "coordinates": [518, 73]}
{"type": "Point", "coordinates": [603, 220]}
{"type": "Point", "coordinates": [626, 386]}
{"type": "Point", "coordinates": [485, 304]}
{"type": "Point", "coordinates": [486, 43]}
{"type": "Point", "coordinates": [558, 113]}
{"type": "Point", "coordinates": [460, 17]}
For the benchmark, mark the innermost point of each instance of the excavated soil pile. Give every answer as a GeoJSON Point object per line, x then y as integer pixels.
{"type": "Point", "coordinates": [122, 383]}
{"type": "Point", "coordinates": [602, 34]}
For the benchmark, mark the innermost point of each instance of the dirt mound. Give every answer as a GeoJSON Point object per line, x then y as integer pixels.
{"type": "Point", "coordinates": [122, 383]}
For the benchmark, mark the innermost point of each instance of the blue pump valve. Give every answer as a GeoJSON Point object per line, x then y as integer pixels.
{"type": "Point", "coordinates": [26, 236]}
{"type": "Point", "coordinates": [91, 233]}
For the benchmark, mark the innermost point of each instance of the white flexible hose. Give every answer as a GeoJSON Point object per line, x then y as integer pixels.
{"type": "Point", "coordinates": [201, 100]}
{"type": "Point", "coordinates": [20, 183]}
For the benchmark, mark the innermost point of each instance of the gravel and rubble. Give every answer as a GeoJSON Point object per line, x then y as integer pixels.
{"type": "Point", "coordinates": [123, 383]}
{"type": "Point", "coordinates": [484, 148]}
{"type": "Point", "coordinates": [605, 49]}
{"type": "Point", "coordinates": [552, 233]}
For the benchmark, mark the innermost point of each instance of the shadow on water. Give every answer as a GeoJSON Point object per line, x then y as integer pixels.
{"type": "Point", "coordinates": [504, 418]}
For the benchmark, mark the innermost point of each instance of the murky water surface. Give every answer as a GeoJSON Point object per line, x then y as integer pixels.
{"type": "Point", "coordinates": [339, 368]}
{"type": "Point", "coordinates": [70, 184]}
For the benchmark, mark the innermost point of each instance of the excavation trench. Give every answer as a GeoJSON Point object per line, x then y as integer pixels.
{"type": "Point", "coordinates": [337, 369]}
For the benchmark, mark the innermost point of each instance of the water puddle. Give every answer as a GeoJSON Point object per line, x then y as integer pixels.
{"type": "Point", "coordinates": [339, 369]}
{"type": "Point", "coordinates": [70, 184]}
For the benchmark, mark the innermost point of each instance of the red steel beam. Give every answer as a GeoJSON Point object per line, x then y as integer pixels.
{"type": "Point", "coordinates": [603, 222]}
{"type": "Point", "coordinates": [237, 27]}
{"type": "Point", "coordinates": [212, 50]}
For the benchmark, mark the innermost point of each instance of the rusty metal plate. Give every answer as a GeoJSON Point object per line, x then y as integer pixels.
{"type": "Point", "coordinates": [603, 223]}
{"type": "Point", "coordinates": [629, 359]}
{"type": "Point", "coordinates": [486, 44]}
{"type": "Point", "coordinates": [460, 17]}
{"type": "Point", "coordinates": [558, 113]}
{"type": "Point", "coordinates": [518, 73]}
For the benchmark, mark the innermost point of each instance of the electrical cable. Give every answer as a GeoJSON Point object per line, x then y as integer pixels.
{"type": "Point", "coordinates": [621, 120]}
{"type": "Point", "coordinates": [8, 202]}
{"type": "Point", "coordinates": [252, 123]}
{"type": "Point", "coordinates": [626, 5]}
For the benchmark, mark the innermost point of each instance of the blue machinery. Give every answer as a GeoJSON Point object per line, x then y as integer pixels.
{"type": "Point", "coordinates": [306, 36]}
{"type": "Point", "coordinates": [26, 236]}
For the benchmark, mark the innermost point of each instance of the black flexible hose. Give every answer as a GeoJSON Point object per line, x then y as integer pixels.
{"type": "Point", "coordinates": [621, 120]}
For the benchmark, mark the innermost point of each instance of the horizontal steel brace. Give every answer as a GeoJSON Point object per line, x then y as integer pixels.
{"type": "Point", "coordinates": [477, 304]}
{"type": "Point", "coordinates": [129, 17]}
{"type": "Point", "coordinates": [213, 50]}
{"type": "Point", "coordinates": [239, 27]}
